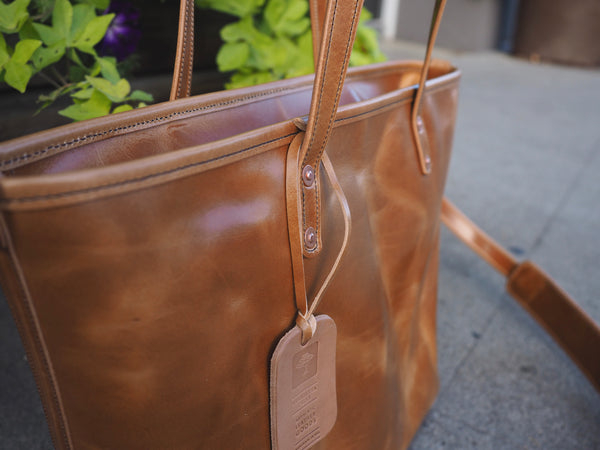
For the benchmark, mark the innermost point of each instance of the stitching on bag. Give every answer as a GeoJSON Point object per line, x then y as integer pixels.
{"type": "Point", "coordinates": [5, 164]}
{"type": "Point", "coordinates": [312, 137]}
{"type": "Point", "coordinates": [333, 112]}
{"type": "Point", "coordinates": [42, 355]}
{"type": "Point", "coordinates": [370, 111]}
{"type": "Point", "coordinates": [185, 55]}
{"type": "Point", "coordinates": [150, 176]}
{"type": "Point", "coordinates": [26, 156]}
{"type": "Point", "coordinates": [391, 104]}
{"type": "Point", "coordinates": [339, 88]}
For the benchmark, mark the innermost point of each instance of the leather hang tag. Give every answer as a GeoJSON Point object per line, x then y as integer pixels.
{"type": "Point", "coordinates": [303, 392]}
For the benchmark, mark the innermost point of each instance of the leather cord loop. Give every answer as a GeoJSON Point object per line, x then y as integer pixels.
{"type": "Point", "coordinates": [306, 311]}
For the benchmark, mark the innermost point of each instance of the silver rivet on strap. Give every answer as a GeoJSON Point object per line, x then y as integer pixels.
{"type": "Point", "coordinates": [310, 238]}
{"type": "Point", "coordinates": [308, 175]}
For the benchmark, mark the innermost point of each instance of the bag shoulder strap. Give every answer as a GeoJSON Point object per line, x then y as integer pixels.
{"type": "Point", "coordinates": [537, 293]}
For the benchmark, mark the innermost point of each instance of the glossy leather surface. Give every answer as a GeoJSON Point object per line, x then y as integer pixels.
{"type": "Point", "coordinates": [156, 288]}
{"type": "Point", "coordinates": [147, 260]}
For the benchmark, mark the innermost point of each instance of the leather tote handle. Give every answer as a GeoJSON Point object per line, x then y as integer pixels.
{"type": "Point", "coordinates": [184, 56]}
{"type": "Point", "coordinates": [317, 15]}
{"type": "Point", "coordinates": [182, 73]}
{"type": "Point", "coordinates": [341, 20]}
{"type": "Point", "coordinates": [337, 39]}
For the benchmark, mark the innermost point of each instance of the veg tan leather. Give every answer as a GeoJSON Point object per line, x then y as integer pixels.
{"type": "Point", "coordinates": [146, 258]}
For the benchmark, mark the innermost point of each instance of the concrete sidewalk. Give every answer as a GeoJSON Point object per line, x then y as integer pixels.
{"type": "Point", "coordinates": [526, 167]}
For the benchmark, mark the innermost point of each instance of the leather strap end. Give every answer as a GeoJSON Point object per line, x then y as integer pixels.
{"type": "Point", "coordinates": [554, 310]}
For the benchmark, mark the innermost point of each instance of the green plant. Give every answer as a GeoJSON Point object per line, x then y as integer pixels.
{"type": "Point", "coordinates": [272, 40]}
{"type": "Point", "coordinates": [55, 40]}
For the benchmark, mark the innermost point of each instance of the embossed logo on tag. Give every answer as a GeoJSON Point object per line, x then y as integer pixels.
{"type": "Point", "coordinates": [303, 396]}
{"type": "Point", "coordinates": [305, 364]}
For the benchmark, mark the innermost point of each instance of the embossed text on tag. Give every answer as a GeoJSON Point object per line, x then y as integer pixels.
{"type": "Point", "coordinates": [303, 396]}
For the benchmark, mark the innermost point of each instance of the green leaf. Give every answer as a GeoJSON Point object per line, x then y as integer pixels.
{"type": "Point", "coordinates": [365, 16]}
{"type": "Point", "coordinates": [83, 14]}
{"type": "Point", "coordinates": [115, 92]}
{"type": "Point", "coordinates": [48, 35]}
{"type": "Point", "coordinates": [267, 54]}
{"type": "Point", "coordinates": [108, 68]}
{"type": "Point", "coordinates": [18, 72]}
{"type": "Point", "coordinates": [232, 56]}
{"type": "Point", "coordinates": [45, 56]}
{"type": "Point", "coordinates": [241, 79]}
{"type": "Point", "coordinates": [98, 105]}
{"type": "Point", "coordinates": [262, 48]}
{"type": "Point", "coordinates": [17, 75]}
{"type": "Point", "coordinates": [122, 108]}
{"type": "Point", "coordinates": [83, 94]}
{"type": "Point", "coordinates": [27, 31]}
{"type": "Point", "coordinates": [89, 50]}
{"type": "Point", "coordinates": [366, 48]}
{"type": "Point", "coordinates": [62, 18]}
{"type": "Point", "coordinates": [13, 16]}
{"type": "Point", "coordinates": [24, 49]}
{"type": "Point", "coordinates": [141, 96]}
{"type": "Point", "coordinates": [4, 56]}
{"type": "Point", "coordinates": [93, 33]}
{"type": "Point", "coordinates": [98, 4]}
{"type": "Point", "coordinates": [304, 63]}
{"type": "Point", "coordinates": [242, 30]}
{"type": "Point", "coordinates": [239, 8]}
{"type": "Point", "coordinates": [287, 17]}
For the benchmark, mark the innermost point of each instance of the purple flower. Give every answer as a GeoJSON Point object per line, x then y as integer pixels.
{"type": "Point", "coordinates": [122, 36]}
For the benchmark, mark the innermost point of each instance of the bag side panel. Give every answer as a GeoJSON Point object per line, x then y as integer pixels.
{"type": "Point", "coordinates": [160, 306]}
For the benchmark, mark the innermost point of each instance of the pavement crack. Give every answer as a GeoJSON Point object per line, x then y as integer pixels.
{"type": "Point", "coordinates": [566, 197]}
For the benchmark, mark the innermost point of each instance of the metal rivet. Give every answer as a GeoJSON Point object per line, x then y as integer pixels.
{"type": "Point", "coordinates": [308, 176]}
{"type": "Point", "coordinates": [310, 238]}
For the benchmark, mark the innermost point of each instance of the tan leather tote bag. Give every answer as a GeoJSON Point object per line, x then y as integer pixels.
{"type": "Point", "coordinates": [242, 269]}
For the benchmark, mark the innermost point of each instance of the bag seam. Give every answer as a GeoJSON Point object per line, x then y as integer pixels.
{"type": "Point", "coordinates": [29, 199]}
{"type": "Point", "coordinates": [7, 163]}
{"type": "Point", "coordinates": [139, 179]}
